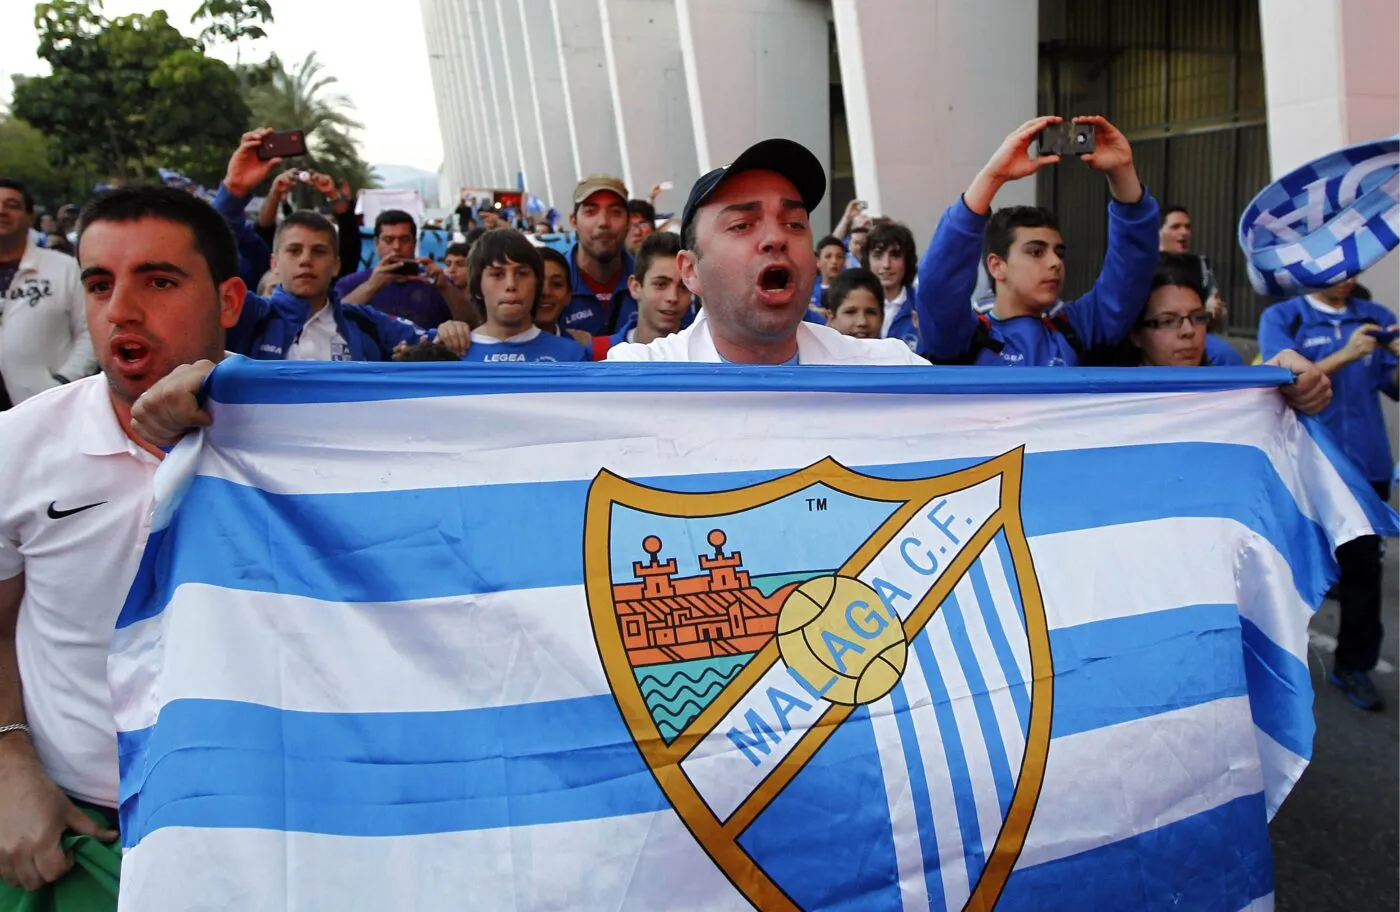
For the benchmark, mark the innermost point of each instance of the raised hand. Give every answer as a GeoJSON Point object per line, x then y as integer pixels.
{"type": "Point", "coordinates": [283, 184]}
{"type": "Point", "coordinates": [1112, 157]}
{"type": "Point", "coordinates": [1011, 161]}
{"type": "Point", "coordinates": [245, 170]}
{"type": "Point", "coordinates": [324, 185]}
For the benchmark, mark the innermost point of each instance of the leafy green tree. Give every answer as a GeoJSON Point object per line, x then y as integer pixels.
{"type": "Point", "coordinates": [233, 22]}
{"type": "Point", "coordinates": [305, 98]}
{"type": "Point", "coordinates": [129, 95]}
{"type": "Point", "coordinates": [24, 156]}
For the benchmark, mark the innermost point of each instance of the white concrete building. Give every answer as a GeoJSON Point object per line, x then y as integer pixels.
{"type": "Point", "coordinates": [903, 100]}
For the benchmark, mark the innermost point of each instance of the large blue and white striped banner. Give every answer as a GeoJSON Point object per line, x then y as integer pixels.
{"type": "Point", "coordinates": [685, 637]}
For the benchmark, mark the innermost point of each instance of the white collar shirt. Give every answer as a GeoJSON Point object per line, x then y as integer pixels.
{"type": "Point", "coordinates": [319, 340]}
{"type": "Point", "coordinates": [816, 344]}
{"type": "Point", "coordinates": [892, 308]}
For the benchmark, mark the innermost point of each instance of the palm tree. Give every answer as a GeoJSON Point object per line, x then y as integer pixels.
{"type": "Point", "coordinates": [303, 99]}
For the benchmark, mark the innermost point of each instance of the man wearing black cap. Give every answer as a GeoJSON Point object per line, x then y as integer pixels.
{"type": "Point", "coordinates": [598, 264]}
{"type": "Point", "coordinates": [748, 256]}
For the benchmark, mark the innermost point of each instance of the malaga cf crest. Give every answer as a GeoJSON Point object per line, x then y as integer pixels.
{"type": "Point", "coordinates": [836, 679]}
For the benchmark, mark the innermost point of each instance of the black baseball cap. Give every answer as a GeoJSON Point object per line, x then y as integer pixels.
{"type": "Point", "coordinates": [783, 156]}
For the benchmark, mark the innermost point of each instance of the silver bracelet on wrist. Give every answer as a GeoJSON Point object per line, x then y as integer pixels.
{"type": "Point", "coordinates": [14, 727]}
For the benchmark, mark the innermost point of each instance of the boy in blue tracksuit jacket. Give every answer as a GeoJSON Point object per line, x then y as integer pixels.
{"type": "Point", "coordinates": [269, 328]}
{"type": "Point", "coordinates": [290, 323]}
{"type": "Point", "coordinates": [1024, 255]}
{"type": "Point", "coordinates": [1338, 333]}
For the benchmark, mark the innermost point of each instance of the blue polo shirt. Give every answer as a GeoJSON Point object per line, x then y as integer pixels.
{"type": "Point", "coordinates": [597, 313]}
{"type": "Point", "coordinates": [1355, 417]}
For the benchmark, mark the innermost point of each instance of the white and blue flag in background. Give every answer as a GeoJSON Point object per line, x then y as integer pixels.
{"type": "Point", "coordinates": [684, 637]}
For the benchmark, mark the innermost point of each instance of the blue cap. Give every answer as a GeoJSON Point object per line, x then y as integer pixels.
{"type": "Point", "coordinates": [1325, 222]}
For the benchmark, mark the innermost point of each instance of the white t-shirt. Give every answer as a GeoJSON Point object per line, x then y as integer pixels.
{"type": "Point", "coordinates": [892, 311]}
{"type": "Point", "coordinates": [75, 511]}
{"type": "Point", "coordinates": [319, 340]}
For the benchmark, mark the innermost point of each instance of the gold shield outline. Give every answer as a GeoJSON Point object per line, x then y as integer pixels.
{"type": "Point", "coordinates": [719, 839]}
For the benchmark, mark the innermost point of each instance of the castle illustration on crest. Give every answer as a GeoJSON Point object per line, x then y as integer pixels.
{"type": "Point", "coordinates": [687, 637]}
{"type": "Point", "coordinates": [716, 613]}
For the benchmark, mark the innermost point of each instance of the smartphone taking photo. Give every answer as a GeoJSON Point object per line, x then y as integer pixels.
{"type": "Point", "coordinates": [282, 144]}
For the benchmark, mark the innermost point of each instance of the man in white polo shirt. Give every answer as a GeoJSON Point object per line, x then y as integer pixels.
{"type": "Point", "coordinates": [160, 281]}
{"type": "Point", "coordinates": [748, 255]}
{"type": "Point", "coordinates": [43, 336]}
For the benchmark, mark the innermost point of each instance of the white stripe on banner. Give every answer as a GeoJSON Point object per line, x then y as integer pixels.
{"type": "Point", "coordinates": [618, 863]}
{"type": "Point", "coordinates": [530, 442]}
{"type": "Point", "coordinates": [1075, 571]}
{"type": "Point", "coordinates": [969, 733]}
{"type": "Point", "coordinates": [952, 868]}
{"type": "Point", "coordinates": [1084, 575]}
{"type": "Point", "coordinates": [1319, 483]}
{"type": "Point", "coordinates": [998, 581]}
{"type": "Point", "coordinates": [1137, 776]}
{"type": "Point", "coordinates": [1282, 769]}
{"type": "Point", "coordinates": [998, 688]}
{"type": "Point", "coordinates": [493, 649]}
{"type": "Point", "coordinates": [904, 824]}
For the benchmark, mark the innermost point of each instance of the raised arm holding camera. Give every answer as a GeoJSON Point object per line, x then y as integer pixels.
{"type": "Point", "coordinates": [1023, 253]}
{"type": "Point", "coordinates": [414, 288]}
{"type": "Point", "coordinates": [303, 318]}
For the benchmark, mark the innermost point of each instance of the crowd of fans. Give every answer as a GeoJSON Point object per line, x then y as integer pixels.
{"type": "Point", "coordinates": [168, 283]}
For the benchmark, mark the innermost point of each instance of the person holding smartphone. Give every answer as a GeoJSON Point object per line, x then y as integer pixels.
{"type": "Point", "coordinates": [1355, 342]}
{"type": "Point", "coordinates": [402, 285]}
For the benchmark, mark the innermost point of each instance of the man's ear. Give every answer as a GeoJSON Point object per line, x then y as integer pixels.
{"type": "Point", "coordinates": [997, 267]}
{"type": "Point", "coordinates": [573, 220]}
{"type": "Point", "coordinates": [231, 295]}
{"type": "Point", "coordinates": [634, 287]}
{"type": "Point", "coordinates": [686, 262]}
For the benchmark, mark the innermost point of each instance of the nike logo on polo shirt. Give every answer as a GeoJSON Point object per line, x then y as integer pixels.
{"type": "Point", "coordinates": [59, 514]}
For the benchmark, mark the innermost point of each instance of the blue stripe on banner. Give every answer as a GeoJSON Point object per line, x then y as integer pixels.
{"type": "Point", "coordinates": [231, 764]}
{"type": "Point", "coordinates": [968, 828]}
{"type": "Point", "coordinates": [1269, 668]}
{"type": "Point", "coordinates": [246, 381]}
{"type": "Point", "coordinates": [1216, 861]}
{"type": "Point", "coordinates": [152, 585]}
{"type": "Point", "coordinates": [836, 807]}
{"type": "Point", "coordinates": [981, 700]}
{"type": "Point", "coordinates": [1020, 695]}
{"type": "Point", "coordinates": [1127, 668]}
{"type": "Point", "coordinates": [398, 545]}
{"type": "Point", "coordinates": [573, 759]}
{"type": "Point", "coordinates": [919, 795]}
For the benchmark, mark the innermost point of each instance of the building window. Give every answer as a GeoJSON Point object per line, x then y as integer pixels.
{"type": "Point", "coordinates": [1185, 83]}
